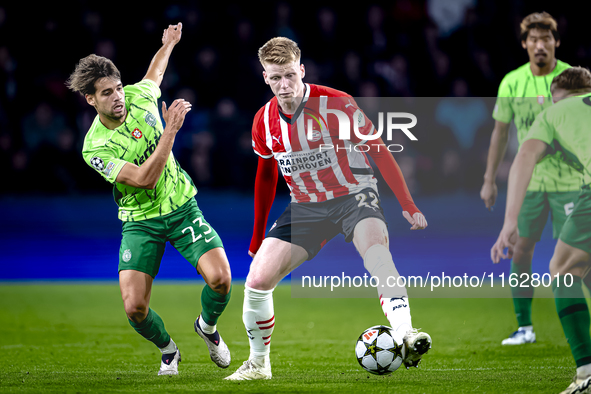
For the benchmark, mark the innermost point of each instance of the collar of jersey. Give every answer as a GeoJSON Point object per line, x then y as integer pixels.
{"type": "Point", "coordinates": [298, 111]}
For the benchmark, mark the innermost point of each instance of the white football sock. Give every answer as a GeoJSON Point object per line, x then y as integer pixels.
{"type": "Point", "coordinates": [584, 371]}
{"type": "Point", "coordinates": [393, 298]}
{"type": "Point", "coordinates": [206, 328]}
{"type": "Point", "coordinates": [259, 319]}
{"type": "Point", "coordinates": [170, 348]}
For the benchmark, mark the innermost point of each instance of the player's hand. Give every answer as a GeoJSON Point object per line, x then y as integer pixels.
{"type": "Point", "coordinates": [417, 220]}
{"type": "Point", "coordinates": [488, 194]}
{"type": "Point", "coordinates": [172, 35]}
{"type": "Point", "coordinates": [175, 115]}
{"type": "Point", "coordinates": [507, 239]}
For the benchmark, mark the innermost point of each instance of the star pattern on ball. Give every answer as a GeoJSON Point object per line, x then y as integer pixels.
{"type": "Point", "coordinates": [377, 351]}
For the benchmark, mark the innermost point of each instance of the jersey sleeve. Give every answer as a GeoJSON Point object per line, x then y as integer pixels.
{"type": "Point", "coordinates": [103, 160]}
{"type": "Point", "coordinates": [358, 119]}
{"type": "Point", "coordinates": [146, 89]}
{"type": "Point", "coordinates": [264, 193]}
{"type": "Point", "coordinates": [503, 111]}
{"type": "Point", "coordinates": [259, 139]}
{"type": "Point", "coordinates": [541, 129]}
{"type": "Point", "coordinates": [393, 177]}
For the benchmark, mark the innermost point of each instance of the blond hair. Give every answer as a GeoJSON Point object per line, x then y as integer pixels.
{"type": "Point", "coordinates": [539, 20]}
{"type": "Point", "coordinates": [280, 51]}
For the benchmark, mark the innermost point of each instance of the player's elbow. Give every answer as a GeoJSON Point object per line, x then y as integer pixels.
{"type": "Point", "coordinates": [140, 183]}
{"type": "Point", "coordinates": [532, 151]}
{"type": "Point", "coordinates": [155, 77]}
{"type": "Point", "coordinates": [151, 185]}
{"type": "Point", "coordinates": [139, 177]}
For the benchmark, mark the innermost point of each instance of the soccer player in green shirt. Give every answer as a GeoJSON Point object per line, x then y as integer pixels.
{"type": "Point", "coordinates": [128, 146]}
{"type": "Point", "coordinates": [563, 130]}
{"type": "Point", "coordinates": [523, 94]}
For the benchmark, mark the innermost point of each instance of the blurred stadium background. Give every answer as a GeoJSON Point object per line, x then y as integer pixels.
{"type": "Point", "coordinates": [58, 216]}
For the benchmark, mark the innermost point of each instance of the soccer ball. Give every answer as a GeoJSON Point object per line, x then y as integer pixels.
{"type": "Point", "coordinates": [377, 351]}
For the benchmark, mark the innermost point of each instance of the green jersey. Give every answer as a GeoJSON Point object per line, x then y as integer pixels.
{"type": "Point", "coordinates": [565, 127]}
{"type": "Point", "coordinates": [107, 151]}
{"type": "Point", "coordinates": [522, 96]}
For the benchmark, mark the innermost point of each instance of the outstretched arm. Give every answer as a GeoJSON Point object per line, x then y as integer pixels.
{"type": "Point", "coordinates": [265, 186]}
{"type": "Point", "coordinates": [520, 174]}
{"type": "Point", "coordinates": [394, 178]}
{"type": "Point", "coordinates": [170, 38]}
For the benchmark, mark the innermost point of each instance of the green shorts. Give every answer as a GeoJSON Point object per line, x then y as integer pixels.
{"type": "Point", "coordinates": [534, 212]}
{"type": "Point", "coordinates": [577, 228]}
{"type": "Point", "coordinates": [143, 242]}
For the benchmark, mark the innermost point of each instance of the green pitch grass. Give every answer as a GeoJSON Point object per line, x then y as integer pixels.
{"type": "Point", "coordinates": [75, 338]}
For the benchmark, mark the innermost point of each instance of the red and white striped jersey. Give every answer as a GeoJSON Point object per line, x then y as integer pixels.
{"type": "Point", "coordinates": [315, 163]}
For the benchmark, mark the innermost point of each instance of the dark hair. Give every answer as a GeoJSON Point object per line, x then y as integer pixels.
{"type": "Point", "coordinates": [539, 20]}
{"type": "Point", "coordinates": [89, 70]}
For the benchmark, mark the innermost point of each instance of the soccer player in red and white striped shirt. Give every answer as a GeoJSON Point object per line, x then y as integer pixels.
{"type": "Point", "coordinates": [333, 191]}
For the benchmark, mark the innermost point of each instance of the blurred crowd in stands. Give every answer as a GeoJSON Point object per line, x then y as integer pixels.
{"type": "Point", "coordinates": [457, 50]}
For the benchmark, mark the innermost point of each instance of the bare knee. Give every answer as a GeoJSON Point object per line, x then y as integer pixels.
{"type": "Point", "coordinates": [274, 260]}
{"type": "Point", "coordinates": [136, 311]}
{"type": "Point", "coordinates": [221, 281]}
{"type": "Point", "coordinates": [569, 260]}
{"type": "Point", "coordinates": [566, 266]}
{"type": "Point", "coordinates": [135, 291]}
{"type": "Point", "coordinates": [259, 281]}
{"type": "Point", "coordinates": [370, 232]}
{"type": "Point", "coordinates": [523, 252]}
{"type": "Point", "coordinates": [262, 275]}
{"type": "Point", "coordinates": [377, 239]}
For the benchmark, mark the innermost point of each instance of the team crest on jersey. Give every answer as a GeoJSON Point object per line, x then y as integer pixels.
{"type": "Point", "coordinates": [150, 119]}
{"type": "Point", "coordinates": [541, 99]}
{"type": "Point", "coordinates": [137, 133]}
{"type": "Point", "coordinates": [316, 135]}
{"type": "Point", "coordinates": [316, 119]}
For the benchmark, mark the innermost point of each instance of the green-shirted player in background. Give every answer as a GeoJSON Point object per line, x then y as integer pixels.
{"type": "Point", "coordinates": [128, 146]}
{"type": "Point", "coordinates": [563, 130]}
{"type": "Point", "coordinates": [554, 186]}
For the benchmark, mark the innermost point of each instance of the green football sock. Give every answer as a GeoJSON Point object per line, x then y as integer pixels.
{"type": "Point", "coordinates": [213, 304]}
{"type": "Point", "coordinates": [574, 316]}
{"type": "Point", "coordinates": [152, 328]}
{"type": "Point", "coordinates": [522, 296]}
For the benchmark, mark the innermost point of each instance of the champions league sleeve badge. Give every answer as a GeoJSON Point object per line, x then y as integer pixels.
{"type": "Point", "coordinates": [97, 163]}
